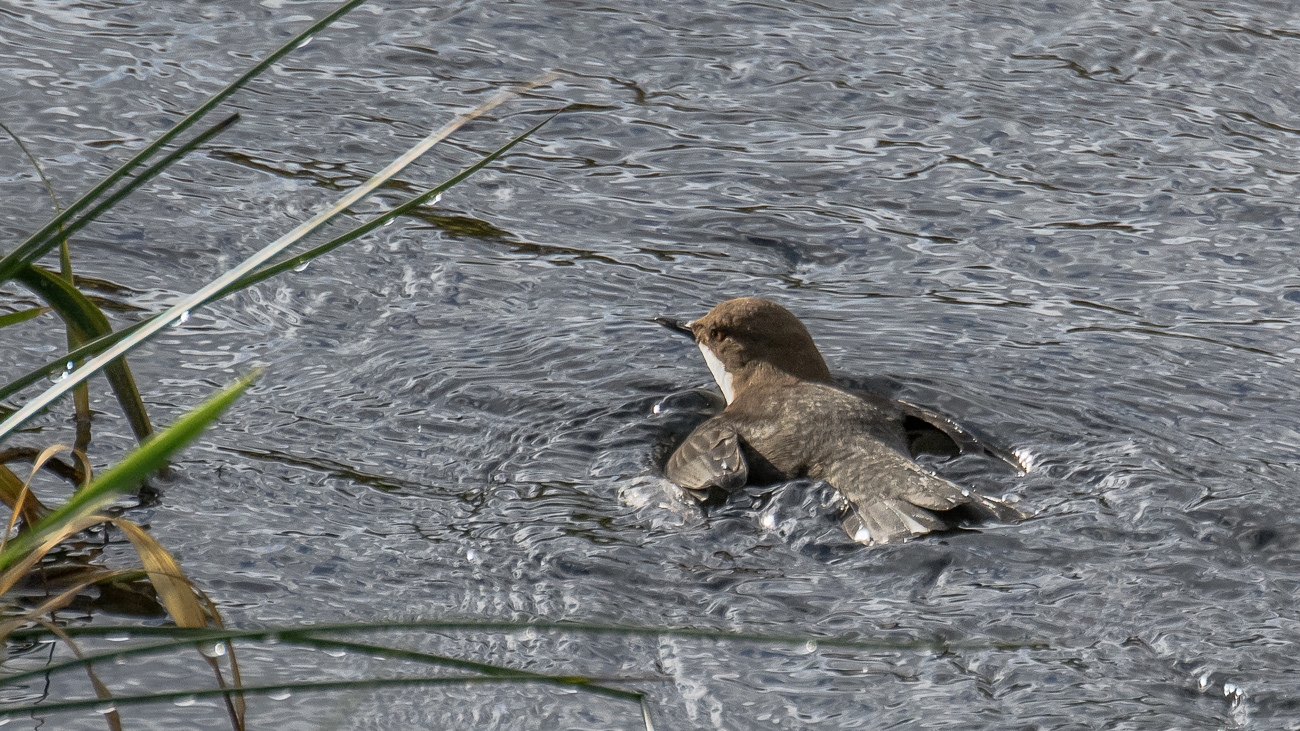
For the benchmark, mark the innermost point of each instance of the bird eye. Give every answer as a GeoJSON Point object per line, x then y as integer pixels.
{"type": "Point", "coordinates": [717, 336]}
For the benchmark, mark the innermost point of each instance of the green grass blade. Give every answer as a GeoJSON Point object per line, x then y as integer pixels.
{"type": "Point", "coordinates": [184, 637]}
{"type": "Point", "coordinates": [320, 686]}
{"type": "Point", "coordinates": [100, 344]}
{"type": "Point", "coordinates": [49, 187]}
{"type": "Point", "coordinates": [88, 321]}
{"type": "Point", "coordinates": [211, 289]}
{"type": "Point", "coordinates": [31, 249]}
{"type": "Point", "coordinates": [426, 658]}
{"type": "Point", "coordinates": [293, 262]}
{"type": "Point", "coordinates": [126, 474]}
{"type": "Point", "coordinates": [181, 639]}
{"type": "Point", "coordinates": [13, 318]}
{"type": "Point", "coordinates": [56, 366]}
{"type": "Point", "coordinates": [136, 181]}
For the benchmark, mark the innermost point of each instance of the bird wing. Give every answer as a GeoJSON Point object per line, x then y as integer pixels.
{"type": "Point", "coordinates": [893, 498]}
{"type": "Point", "coordinates": [710, 457]}
{"type": "Point", "coordinates": [931, 432]}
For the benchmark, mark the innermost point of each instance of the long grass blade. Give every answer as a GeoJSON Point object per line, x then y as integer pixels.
{"type": "Point", "coordinates": [181, 639]}
{"type": "Point", "coordinates": [12, 488]}
{"type": "Point", "coordinates": [13, 318]}
{"type": "Point", "coordinates": [174, 589]}
{"type": "Point", "coordinates": [31, 249]}
{"type": "Point", "coordinates": [145, 176]}
{"type": "Point", "coordinates": [59, 601]}
{"type": "Point", "coordinates": [310, 687]}
{"type": "Point", "coordinates": [112, 718]}
{"type": "Point", "coordinates": [19, 506]}
{"type": "Point", "coordinates": [252, 263]}
{"type": "Point", "coordinates": [453, 662]}
{"type": "Point", "coordinates": [81, 396]}
{"type": "Point", "coordinates": [49, 187]}
{"type": "Point", "coordinates": [294, 262]}
{"type": "Point", "coordinates": [34, 550]}
{"type": "Point", "coordinates": [126, 474]}
{"type": "Point", "coordinates": [88, 321]}
{"type": "Point", "coordinates": [184, 636]}
{"type": "Point", "coordinates": [179, 598]}
{"type": "Point", "coordinates": [234, 704]}
{"type": "Point", "coordinates": [100, 344]}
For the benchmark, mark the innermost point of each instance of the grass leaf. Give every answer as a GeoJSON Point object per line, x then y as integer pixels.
{"type": "Point", "coordinates": [318, 687]}
{"type": "Point", "coordinates": [453, 662]}
{"type": "Point", "coordinates": [293, 262]}
{"type": "Point", "coordinates": [145, 176]}
{"type": "Point", "coordinates": [61, 600]}
{"type": "Point", "coordinates": [11, 490]}
{"type": "Point", "coordinates": [270, 251]}
{"type": "Point", "coordinates": [102, 343]}
{"type": "Point", "coordinates": [40, 242]}
{"type": "Point", "coordinates": [124, 475]}
{"type": "Point", "coordinates": [34, 548]}
{"type": "Point", "coordinates": [88, 321]}
{"type": "Point", "coordinates": [101, 691]}
{"type": "Point", "coordinates": [19, 507]}
{"type": "Point", "coordinates": [13, 318]}
{"type": "Point", "coordinates": [174, 590]}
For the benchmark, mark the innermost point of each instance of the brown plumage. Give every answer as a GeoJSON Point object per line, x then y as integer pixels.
{"type": "Point", "coordinates": [785, 419]}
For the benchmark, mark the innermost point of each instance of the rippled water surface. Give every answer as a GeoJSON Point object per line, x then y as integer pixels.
{"type": "Point", "coordinates": [1068, 225]}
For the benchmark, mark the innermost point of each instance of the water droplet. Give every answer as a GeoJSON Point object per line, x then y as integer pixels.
{"type": "Point", "coordinates": [213, 649]}
{"type": "Point", "coordinates": [471, 555]}
{"type": "Point", "coordinates": [530, 634]}
{"type": "Point", "coordinates": [965, 493]}
{"type": "Point", "coordinates": [186, 701]}
{"type": "Point", "coordinates": [279, 695]}
{"type": "Point", "coordinates": [389, 222]}
{"type": "Point", "coordinates": [184, 318]}
{"type": "Point", "coordinates": [1203, 682]}
{"type": "Point", "coordinates": [302, 267]}
{"type": "Point", "coordinates": [435, 200]}
{"type": "Point", "coordinates": [69, 366]}
{"type": "Point", "coordinates": [810, 646]}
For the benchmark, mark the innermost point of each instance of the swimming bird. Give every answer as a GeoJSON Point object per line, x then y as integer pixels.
{"type": "Point", "coordinates": [786, 418]}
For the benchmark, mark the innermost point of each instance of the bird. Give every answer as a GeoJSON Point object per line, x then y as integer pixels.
{"type": "Point", "coordinates": [786, 418]}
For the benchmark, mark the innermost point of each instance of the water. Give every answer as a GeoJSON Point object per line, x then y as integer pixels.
{"type": "Point", "coordinates": [1070, 226]}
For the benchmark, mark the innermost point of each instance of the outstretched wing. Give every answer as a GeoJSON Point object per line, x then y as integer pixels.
{"type": "Point", "coordinates": [930, 432]}
{"type": "Point", "coordinates": [893, 498]}
{"type": "Point", "coordinates": [709, 458]}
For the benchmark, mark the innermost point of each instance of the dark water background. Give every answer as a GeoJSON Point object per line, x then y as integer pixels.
{"type": "Point", "coordinates": [1070, 225]}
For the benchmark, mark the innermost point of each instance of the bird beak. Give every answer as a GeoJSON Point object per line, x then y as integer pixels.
{"type": "Point", "coordinates": [676, 326]}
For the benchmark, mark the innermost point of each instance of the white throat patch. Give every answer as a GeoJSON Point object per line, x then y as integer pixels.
{"type": "Point", "coordinates": [719, 372]}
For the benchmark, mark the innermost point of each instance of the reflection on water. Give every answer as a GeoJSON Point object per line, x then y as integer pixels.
{"type": "Point", "coordinates": [1070, 226]}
